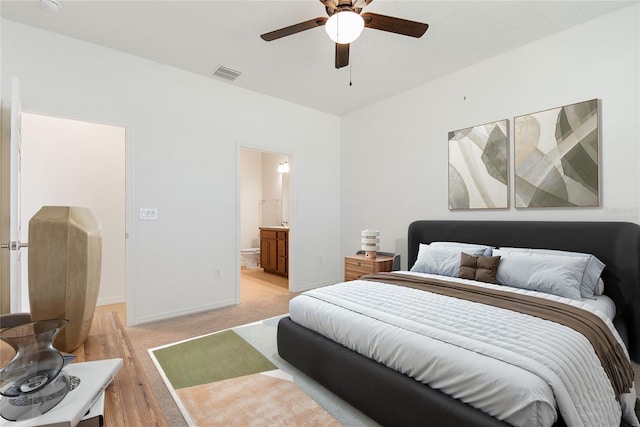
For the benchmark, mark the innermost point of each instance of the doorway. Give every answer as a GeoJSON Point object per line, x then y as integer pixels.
{"type": "Point", "coordinates": [69, 162]}
{"type": "Point", "coordinates": [264, 202]}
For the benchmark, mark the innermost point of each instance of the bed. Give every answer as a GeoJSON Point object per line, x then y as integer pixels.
{"type": "Point", "coordinates": [393, 398]}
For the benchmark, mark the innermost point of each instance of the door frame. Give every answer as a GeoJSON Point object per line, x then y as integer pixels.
{"type": "Point", "coordinates": [128, 239]}
{"type": "Point", "coordinates": [292, 214]}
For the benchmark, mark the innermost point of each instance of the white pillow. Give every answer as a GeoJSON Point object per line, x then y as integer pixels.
{"type": "Point", "coordinates": [599, 287]}
{"type": "Point", "coordinates": [591, 274]}
{"type": "Point", "coordinates": [442, 260]}
{"type": "Point", "coordinates": [470, 246]}
{"type": "Point", "coordinates": [552, 274]}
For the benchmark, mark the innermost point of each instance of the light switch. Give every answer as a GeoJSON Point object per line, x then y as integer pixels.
{"type": "Point", "coordinates": [148, 213]}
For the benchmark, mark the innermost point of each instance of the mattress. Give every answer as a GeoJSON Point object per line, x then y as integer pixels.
{"type": "Point", "coordinates": [435, 340]}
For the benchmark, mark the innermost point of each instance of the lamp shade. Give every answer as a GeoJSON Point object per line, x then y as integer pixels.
{"type": "Point", "coordinates": [370, 242]}
{"type": "Point", "coordinates": [344, 26]}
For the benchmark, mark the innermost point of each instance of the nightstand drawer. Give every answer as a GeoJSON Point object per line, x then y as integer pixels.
{"type": "Point", "coordinates": [359, 265]}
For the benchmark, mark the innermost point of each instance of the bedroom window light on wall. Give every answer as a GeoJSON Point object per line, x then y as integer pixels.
{"type": "Point", "coordinates": [344, 26]}
{"type": "Point", "coordinates": [283, 167]}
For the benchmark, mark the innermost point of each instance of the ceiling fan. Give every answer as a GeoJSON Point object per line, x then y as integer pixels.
{"type": "Point", "coordinates": [345, 24]}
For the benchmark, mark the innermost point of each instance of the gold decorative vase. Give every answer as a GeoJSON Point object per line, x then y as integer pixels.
{"type": "Point", "coordinates": [65, 263]}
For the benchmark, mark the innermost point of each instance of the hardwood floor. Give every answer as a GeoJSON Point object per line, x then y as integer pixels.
{"type": "Point", "coordinates": [129, 400]}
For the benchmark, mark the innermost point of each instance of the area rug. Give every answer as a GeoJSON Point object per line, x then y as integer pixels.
{"type": "Point", "coordinates": [235, 377]}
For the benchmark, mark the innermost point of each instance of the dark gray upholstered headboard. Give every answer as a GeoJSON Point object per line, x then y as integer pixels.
{"type": "Point", "coordinates": [617, 244]}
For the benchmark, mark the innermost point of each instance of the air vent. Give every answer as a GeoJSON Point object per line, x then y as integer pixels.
{"type": "Point", "coordinates": [226, 73]}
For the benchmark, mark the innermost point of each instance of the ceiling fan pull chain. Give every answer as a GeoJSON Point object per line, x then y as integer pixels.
{"type": "Point", "coordinates": [350, 82]}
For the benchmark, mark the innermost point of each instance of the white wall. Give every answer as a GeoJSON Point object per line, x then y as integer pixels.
{"type": "Point", "coordinates": [394, 153]}
{"type": "Point", "coordinates": [251, 195]}
{"type": "Point", "coordinates": [73, 163]}
{"type": "Point", "coordinates": [272, 189]}
{"type": "Point", "coordinates": [183, 133]}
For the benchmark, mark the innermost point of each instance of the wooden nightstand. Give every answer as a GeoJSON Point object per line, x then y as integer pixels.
{"type": "Point", "coordinates": [356, 266]}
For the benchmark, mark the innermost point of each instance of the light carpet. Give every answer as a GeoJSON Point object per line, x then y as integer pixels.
{"type": "Point", "coordinates": [235, 377]}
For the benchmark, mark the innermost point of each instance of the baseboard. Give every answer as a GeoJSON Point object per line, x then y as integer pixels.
{"type": "Point", "coordinates": [179, 313]}
{"type": "Point", "coordinates": [309, 286]}
{"type": "Point", "coordinates": [109, 301]}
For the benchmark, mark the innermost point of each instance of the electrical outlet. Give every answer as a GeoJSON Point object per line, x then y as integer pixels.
{"type": "Point", "coordinates": [217, 272]}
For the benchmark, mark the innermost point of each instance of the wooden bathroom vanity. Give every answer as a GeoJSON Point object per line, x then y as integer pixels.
{"type": "Point", "coordinates": [274, 250]}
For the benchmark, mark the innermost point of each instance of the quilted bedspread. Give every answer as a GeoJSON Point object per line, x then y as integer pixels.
{"type": "Point", "coordinates": [516, 367]}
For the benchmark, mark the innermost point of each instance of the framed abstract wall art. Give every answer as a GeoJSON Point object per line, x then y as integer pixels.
{"type": "Point", "coordinates": [556, 156]}
{"type": "Point", "coordinates": [478, 167]}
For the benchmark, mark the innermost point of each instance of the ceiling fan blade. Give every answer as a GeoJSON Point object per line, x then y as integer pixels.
{"type": "Point", "coordinates": [394, 25]}
{"type": "Point", "coordinates": [293, 29]}
{"type": "Point", "coordinates": [358, 5]}
{"type": "Point", "coordinates": [342, 55]}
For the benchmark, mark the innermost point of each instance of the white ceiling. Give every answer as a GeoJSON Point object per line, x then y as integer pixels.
{"type": "Point", "coordinates": [199, 36]}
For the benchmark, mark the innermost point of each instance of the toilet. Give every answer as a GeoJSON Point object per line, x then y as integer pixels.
{"type": "Point", "coordinates": [252, 257]}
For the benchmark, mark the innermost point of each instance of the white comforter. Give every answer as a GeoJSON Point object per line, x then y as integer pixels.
{"type": "Point", "coordinates": [513, 366]}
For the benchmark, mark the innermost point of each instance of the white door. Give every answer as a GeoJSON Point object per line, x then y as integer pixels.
{"type": "Point", "coordinates": [11, 149]}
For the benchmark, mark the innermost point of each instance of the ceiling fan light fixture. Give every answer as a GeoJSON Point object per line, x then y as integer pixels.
{"type": "Point", "coordinates": [344, 26]}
